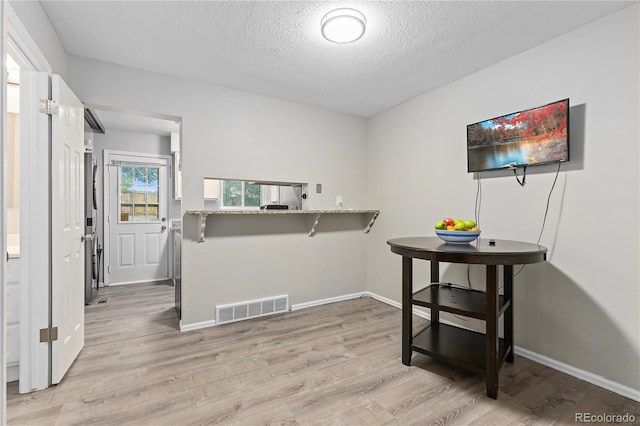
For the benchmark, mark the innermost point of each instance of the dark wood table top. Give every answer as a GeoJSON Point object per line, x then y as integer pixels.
{"type": "Point", "coordinates": [504, 252]}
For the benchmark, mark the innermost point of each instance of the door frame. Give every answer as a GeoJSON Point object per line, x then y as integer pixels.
{"type": "Point", "coordinates": [34, 200]}
{"type": "Point", "coordinates": [3, 220]}
{"type": "Point", "coordinates": [106, 206]}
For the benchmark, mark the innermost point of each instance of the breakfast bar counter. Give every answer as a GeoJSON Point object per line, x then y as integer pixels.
{"type": "Point", "coordinates": [370, 215]}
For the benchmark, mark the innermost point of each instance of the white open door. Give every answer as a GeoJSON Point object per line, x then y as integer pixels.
{"type": "Point", "coordinates": [67, 217]}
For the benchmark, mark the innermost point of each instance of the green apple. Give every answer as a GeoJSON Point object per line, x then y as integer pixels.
{"type": "Point", "coordinates": [460, 226]}
{"type": "Point", "coordinates": [470, 224]}
{"type": "Point", "coordinates": [441, 225]}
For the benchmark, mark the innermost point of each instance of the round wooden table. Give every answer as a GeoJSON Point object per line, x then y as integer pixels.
{"type": "Point", "coordinates": [482, 353]}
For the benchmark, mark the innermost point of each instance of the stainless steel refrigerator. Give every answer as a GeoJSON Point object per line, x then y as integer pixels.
{"type": "Point", "coordinates": [92, 248]}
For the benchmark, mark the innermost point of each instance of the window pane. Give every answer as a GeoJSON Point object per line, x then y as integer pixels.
{"type": "Point", "coordinates": [153, 214]}
{"type": "Point", "coordinates": [140, 213]}
{"type": "Point", "coordinates": [153, 185]}
{"type": "Point", "coordinates": [153, 177]}
{"type": "Point", "coordinates": [152, 196]}
{"type": "Point", "coordinates": [140, 176]}
{"type": "Point", "coordinates": [126, 197]}
{"type": "Point", "coordinates": [139, 195]}
{"type": "Point", "coordinates": [252, 195]}
{"type": "Point", "coordinates": [232, 193]}
{"type": "Point", "coordinates": [125, 213]}
{"type": "Point", "coordinates": [126, 178]}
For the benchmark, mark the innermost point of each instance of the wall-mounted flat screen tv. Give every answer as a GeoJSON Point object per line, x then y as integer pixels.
{"type": "Point", "coordinates": [531, 137]}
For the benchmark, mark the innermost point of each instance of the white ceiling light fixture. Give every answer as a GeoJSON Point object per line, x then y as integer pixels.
{"type": "Point", "coordinates": [343, 25]}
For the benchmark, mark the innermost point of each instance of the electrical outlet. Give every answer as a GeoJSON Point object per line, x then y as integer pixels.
{"type": "Point", "coordinates": [318, 188]}
{"type": "Point", "coordinates": [338, 200]}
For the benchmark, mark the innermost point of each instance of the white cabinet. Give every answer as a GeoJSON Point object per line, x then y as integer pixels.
{"type": "Point", "coordinates": [211, 189]}
{"type": "Point", "coordinates": [177, 245]}
{"type": "Point", "coordinates": [177, 165]}
{"type": "Point", "coordinates": [175, 142]}
{"type": "Point", "coordinates": [177, 176]}
{"type": "Point", "coordinates": [177, 268]}
{"type": "Point", "coordinates": [13, 318]}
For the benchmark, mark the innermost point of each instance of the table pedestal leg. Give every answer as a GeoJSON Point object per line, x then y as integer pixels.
{"type": "Point", "coordinates": [407, 309]}
{"type": "Point", "coordinates": [435, 277]}
{"type": "Point", "coordinates": [492, 346]}
{"type": "Point", "coordinates": [508, 314]}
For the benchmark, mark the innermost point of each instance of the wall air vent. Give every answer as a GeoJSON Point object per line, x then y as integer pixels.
{"type": "Point", "coordinates": [251, 309]}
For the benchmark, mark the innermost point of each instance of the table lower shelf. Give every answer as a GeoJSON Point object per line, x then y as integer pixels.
{"type": "Point", "coordinates": [462, 301]}
{"type": "Point", "coordinates": [456, 346]}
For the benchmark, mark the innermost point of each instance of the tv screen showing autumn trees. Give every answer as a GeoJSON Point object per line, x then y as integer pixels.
{"type": "Point", "coordinates": [534, 136]}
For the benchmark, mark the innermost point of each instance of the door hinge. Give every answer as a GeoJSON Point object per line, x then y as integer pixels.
{"type": "Point", "coordinates": [47, 106]}
{"type": "Point", "coordinates": [48, 335]}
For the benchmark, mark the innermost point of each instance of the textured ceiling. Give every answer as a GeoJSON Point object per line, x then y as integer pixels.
{"type": "Point", "coordinates": [275, 47]}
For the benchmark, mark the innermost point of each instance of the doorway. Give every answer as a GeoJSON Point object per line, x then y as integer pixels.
{"type": "Point", "coordinates": [12, 214]}
{"type": "Point", "coordinates": [27, 212]}
{"type": "Point", "coordinates": [138, 203]}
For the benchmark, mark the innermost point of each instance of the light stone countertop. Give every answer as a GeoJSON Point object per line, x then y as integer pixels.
{"type": "Point", "coordinates": [265, 211]}
{"type": "Point", "coordinates": [203, 214]}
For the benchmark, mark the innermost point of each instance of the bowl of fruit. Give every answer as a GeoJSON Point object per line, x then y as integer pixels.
{"type": "Point", "coordinates": [457, 231]}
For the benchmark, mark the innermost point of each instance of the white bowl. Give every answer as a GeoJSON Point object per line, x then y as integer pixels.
{"type": "Point", "coordinates": [459, 237]}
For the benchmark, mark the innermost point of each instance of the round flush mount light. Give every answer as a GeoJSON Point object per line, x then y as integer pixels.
{"type": "Point", "coordinates": [343, 25]}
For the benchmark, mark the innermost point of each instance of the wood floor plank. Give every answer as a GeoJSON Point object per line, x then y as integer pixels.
{"type": "Point", "coordinates": [333, 364]}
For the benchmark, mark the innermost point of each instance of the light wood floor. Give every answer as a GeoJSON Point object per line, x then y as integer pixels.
{"type": "Point", "coordinates": [334, 364]}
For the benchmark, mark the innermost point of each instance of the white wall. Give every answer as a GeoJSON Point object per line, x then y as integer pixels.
{"type": "Point", "coordinates": [232, 134]}
{"type": "Point", "coordinates": [35, 20]}
{"type": "Point", "coordinates": [581, 307]}
{"type": "Point", "coordinates": [117, 140]}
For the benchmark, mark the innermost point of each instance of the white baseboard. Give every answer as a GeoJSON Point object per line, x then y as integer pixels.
{"type": "Point", "coordinates": [13, 372]}
{"type": "Point", "coordinates": [197, 325]}
{"type": "Point", "coordinates": [328, 300]}
{"type": "Point", "coordinates": [525, 353]}
{"type": "Point", "coordinates": [594, 379]}
{"type": "Point", "coordinates": [137, 282]}
{"type": "Point", "coordinates": [384, 300]}
{"type": "Point", "coordinates": [578, 373]}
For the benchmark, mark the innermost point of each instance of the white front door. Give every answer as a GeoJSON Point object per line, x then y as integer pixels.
{"type": "Point", "coordinates": [67, 218]}
{"type": "Point", "coordinates": [137, 218]}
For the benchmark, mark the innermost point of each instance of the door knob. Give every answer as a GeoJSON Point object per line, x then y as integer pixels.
{"type": "Point", "coordinates": [163, 228]}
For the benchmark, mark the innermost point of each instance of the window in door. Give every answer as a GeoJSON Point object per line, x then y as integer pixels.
{"type": "Point", "coordinates": [138, 190]}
